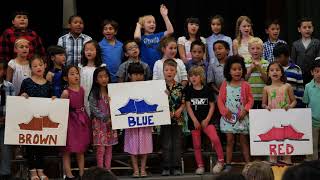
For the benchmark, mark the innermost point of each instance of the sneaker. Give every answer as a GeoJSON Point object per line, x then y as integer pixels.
{"type": "Point", "coordinates": [165, 172]}
{"type": "Point", "coordinates": [217, 168]}
{"type": "Point", "coordinates": [227, 168]}
{"type": "Point", "coordinates": [200, 170]}
{"type": "Point", "coordinates": [177, 172]}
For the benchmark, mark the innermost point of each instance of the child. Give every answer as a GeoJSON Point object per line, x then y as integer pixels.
{"type": "Point", "coordinates": [103, 135]}
{"type": "Point", "coordinates": [306, 49]}
{"type": "Point", "coordinates": [138, 141]}
{"type": "Point", "coordinates": [273, 31]}
{"type": "Point", "coordinates": [311, 98]}
{"type": "Point", "coordinates": [74, 40]}
{"type": "Point", "coordinates": [150, 41]}
{"type": "Point", "coordinates": [258, 170]}
{"type": "Point", "coordinates": [244, 33]}
{"type": "Point", "coordinates": [192, 32]}
{"type": "Point", "coordinates": [132, 51]}
{"type": "Point", "coordinates": [234, 102]}
{"type": "Point", "coordinates": [278, 95]}
{"type": "Point", "coordinates": [20, 22]}
{"type": "Point", "coordinates": [90, 60]}
{"type": "Point", "coordinates": [168, 47]}
{"type": "Point", "coordinates": [291, 71]}
{"type": "Point", "coordinates": [198, 50]}
{"type": "Point", "coordinates": [36, 86]}
{"type": "Point", "coordinates": [56, 58]}
{"type": "Point", "coordinates": [111, 48]}
{"type": "Point", "coordinates": [215, 71]}
{"type": "Point", "coordinates": [78, 136]}
{"type": "Point", "coordinates": [6, 89]}
{"type": "Point", "coordinates": [171, 134]}
{"type": "Point", "coordinates": [18, 68]}
{"type": "Point", "coordinates": [256, 70]}
{"type": "Point", "coordinates": [200, 107]}
{"type": "Point", "coordinates": [217, 23]}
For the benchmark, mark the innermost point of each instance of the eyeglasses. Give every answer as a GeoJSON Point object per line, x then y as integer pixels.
{"type": "Point", "coordinates": [132, 47]}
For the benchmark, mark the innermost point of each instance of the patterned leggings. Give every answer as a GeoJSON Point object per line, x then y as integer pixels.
{"type": "Point", "coordinates": [104, 152]}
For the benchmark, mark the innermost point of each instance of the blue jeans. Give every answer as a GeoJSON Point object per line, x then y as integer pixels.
{"type": "Point", "coordinates": [5, 156]}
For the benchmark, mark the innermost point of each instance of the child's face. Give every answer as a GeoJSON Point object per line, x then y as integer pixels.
{"type": "Point", "coordinates": [22, 49]}
{"type": "Point", "coordinates": [149, 24]}
{"type": "Point", "coordinates": [132, 50]}
{"type": "Point", "coordinates": [73, 76]}
{"type": "Point", "coordinates": [195, 80]}
{"type": "Point", "coordinates": [283, 60]}
{"type": "Point", "coordinates": [59, 59]}
{"type": "Point", "coordinates": [37, 67]}
{"type": "Point", "coordinates": [197, 53]}
{"type": "Point", "coordinates": [193, 28]}
{"type": "Point", "coordinates": [316, 74]}
{"type": "Point", "coordinates": [256, 51]}
{"type": "Point", "coordinates": [137, 77]}
{"type": "Point", "coordinates": [220, 51]}
{"type": "Point", "coordinates": [245, 28]}
{"type": "Point", "coordinates": [274, 72]}
{"type": "Point", "coordinates": [306, 29]}
{"type": "Point", "coordinates": [236, 71]}
{"type": "Point", "coordinates": [90, 51]}
{"type": "Point", "coordinates": [2, 71]}
{"type": "Point", "coordinates": [216, 26]}
{"type": "Point", "coordinates": [170, 50]}
{"type": "Point", "coordinates": [169, 72]}
{"type": "Point", "coordinates": [273, 31]}
{"type": "Point", "coordinates": [103, 78]}
{"type": "Point", "coordinates": [20, 21]}
{"type": "Point", "coordinates": [109, 32]}
{"type": "Point", "coordinates": [76, 26]}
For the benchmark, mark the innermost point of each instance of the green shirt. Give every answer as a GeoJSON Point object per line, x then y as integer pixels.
{"type": "Point", "coordinates": [312, 98]}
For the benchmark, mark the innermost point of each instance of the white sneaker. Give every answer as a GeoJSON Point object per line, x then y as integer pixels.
{"type": "Point", "coordinates": [217, 168]}
{"type": "Point", "coordinates": [200, 170]}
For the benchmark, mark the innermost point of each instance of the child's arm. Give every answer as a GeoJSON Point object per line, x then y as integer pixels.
{"type": "Point", "coordinates": [9, 74]}
{"type": "Point", "coordinates": [121, 73]}
{"type": "Point", "coordinates": [305, 98]}
{"type": "Point", "coordinates": [195, 121]}
{"type": "Point", "coordinates": [164, 14]}
{"type": "Point", "coordinates": [94, 109]}
{"type": "Point", "coordinates": [263, 73]}
{"type": "Point", "coordinates": [293, 101]}
{"type": "Point", "coordinates": [137, 32]}
{"type": "Point", "coordinates": [235, 46]}
{"type": "Point", "coordinates": [178, 112]}
{"type": "Point", "coordinates": [206, 121]}
{"type": "Point", "coordinates": [156, 71]}
{"type": "Point", "coordinates": [182, 52]}
{"type": "Point", "coordinates": [265, 99]}
{"type": "Point", "coordinates": [49, 76]}
{"type": "Point", "coordinates": [65, 94]}
{"type": "Point", "coordinates": [224, 111]}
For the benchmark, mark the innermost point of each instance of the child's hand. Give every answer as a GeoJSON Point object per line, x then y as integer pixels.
{"type": "Point", "coordinates": [139, 25]}
{"type": "Point", "coordinates": [167, 92]}
{"type": "Point", "coordinates": [177, 114]}
{"type": "Point", "coordinates": [204, 123]}
{"type": "Point", "coordinates": [53, 97]}
{"type": "Point", "coordinates": [268, 108]}
{"type": "Point", "coordinates": [197, 125]}
{"type": "Point", "coordinates": [286, 107]}
{"type": "Point", "coordinates": [163, 10]}
{"type": "Point", "coordinates": [25, 95]}
{"type": "Point", "coordinates": [229, 115]}
{"type": "Point", "coordinates": [242, 114]}
{"type": "Point", "coordinates": [49, 76]}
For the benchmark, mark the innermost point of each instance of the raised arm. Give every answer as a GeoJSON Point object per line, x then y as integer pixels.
{"type": "Point", "coordinates": [164, 14]}
{"type": "Point", "coordinates": [137, 31]}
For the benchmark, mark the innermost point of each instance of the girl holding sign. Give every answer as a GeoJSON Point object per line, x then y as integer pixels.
{"type": "Point", "coordinates": [278, 95]}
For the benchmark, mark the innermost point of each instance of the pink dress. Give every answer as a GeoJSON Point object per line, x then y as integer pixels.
{"type": "Point", "coordinates": [79, 134]}
{"type": "Point", "coordinates": [138, 140]}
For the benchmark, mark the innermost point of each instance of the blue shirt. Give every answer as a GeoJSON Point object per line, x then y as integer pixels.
{"type": "Point", "coordinates": [111, 56]}
{"type": "Point", "coordinates": [268, 49]}
{"type": "Point", "coordinates": [212, 39]}
{"type": "Point", "coordinates": [149, 48]}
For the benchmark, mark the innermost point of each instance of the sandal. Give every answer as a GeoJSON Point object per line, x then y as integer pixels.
{"type": "Point", "coordinates": [144, 174]}
{"type": "Point", "coordinates": [42, 176]}
{"type": "Point", "coordinates": [136, 174]}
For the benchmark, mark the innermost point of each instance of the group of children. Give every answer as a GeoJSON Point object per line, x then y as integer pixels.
{"type": "Point", "coordinates": [214, 72]}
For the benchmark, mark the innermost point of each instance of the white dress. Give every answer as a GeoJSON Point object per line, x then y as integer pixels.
{"type": "Point", "coordinates": [20, 72]}
{"type": "Point", "coordinates": [187, 45]}
{"type": "Point", "coordinates": [86, 80]}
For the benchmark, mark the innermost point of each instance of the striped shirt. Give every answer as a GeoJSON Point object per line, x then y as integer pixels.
{"type": "Point", "coordinates": [294, 78]}
{"type": "Point", "coordinates": [256, 82]}
{"type": "Point", "coordinates": [73, 47]}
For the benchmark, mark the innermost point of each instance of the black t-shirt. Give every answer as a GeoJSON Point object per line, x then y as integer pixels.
{"type": "Point", "coordinates": [199, 100]}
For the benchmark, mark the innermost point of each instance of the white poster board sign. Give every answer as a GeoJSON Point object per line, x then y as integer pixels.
{"type": "Point", "coordinates": [36, 121]}
{"type": "Point", "coordinates": [139, 104]}
{"type": "Point", "coordinates": [279, 132]}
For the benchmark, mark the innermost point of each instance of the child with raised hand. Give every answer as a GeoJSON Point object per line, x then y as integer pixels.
{"type": "Point", "coordinates": [278, 95]}
{"type": "Point", "coordinates": [90, 60]}
{"type": "Point", "coordinates": [234, 102]}
{"type": "Point", "coordinates": [73, 41]}
{"type": "Point", "coordinates": [132, 52]}
{"type": "Point", "coordinates": [171, 134]}
{"type": "Point", "coordinates": [200, 107]}
{"type": "Point", "coordinates": [311, 98]}
{"type": "Point", "coordinates": [272, 28]}
{"type": "Point", "coordinates": [192, 33]}
{"type": "Point", "coordinates": [149, 41]}
{"type": "Point", "coordinates": [36, 86]}
{"type": "Point", "coordinates": [111, 47]}
{"type": "Point", "coordinates": [103, 135]}
{"type": "Point", "coordinates": [138, 141]}
{"type": "Point", "coordinates": [78, 133]}
{"type": "Point", "coordinates": [306, 49]}
{"type": "Point", "coordinates": [168, 47]}
{"type": "Point", "coordinates": [56, 58]}
{"type": "Point", "coordinates": [216, 24]}
{"type": "Point", "coordinates": [19, 68]}
{"type": "Point", "coordinates": [244, 33]}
